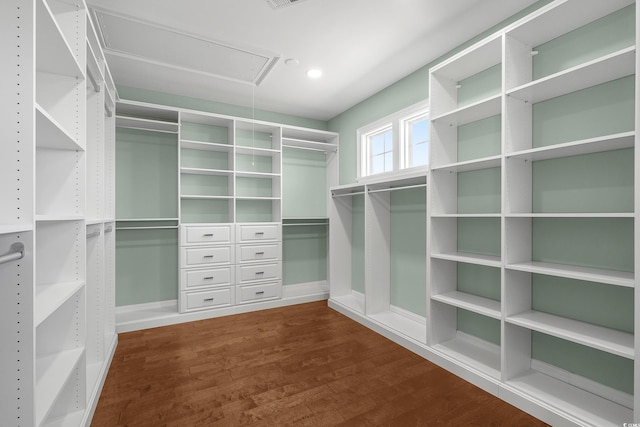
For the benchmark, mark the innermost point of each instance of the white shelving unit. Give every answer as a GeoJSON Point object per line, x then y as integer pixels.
{"type": "Point", "coordinates": [532, 219]}
{"type": "Point", "coordinates": [229, 177]}
{"type": "Point", "coordinates": [57, 163]}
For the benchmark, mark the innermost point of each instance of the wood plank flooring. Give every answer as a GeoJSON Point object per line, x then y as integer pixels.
{"type": "Point", "coordinates": [301, 365]}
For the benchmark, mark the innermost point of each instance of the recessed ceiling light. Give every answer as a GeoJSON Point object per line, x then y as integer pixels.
{"type": "Point", "coordinates": [314, 73]}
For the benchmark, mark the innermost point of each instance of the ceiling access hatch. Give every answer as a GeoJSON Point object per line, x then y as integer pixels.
{"type": "Point", "coordinates": [276, 4]}
{"type": "Point", "coordinates": [151, 43]}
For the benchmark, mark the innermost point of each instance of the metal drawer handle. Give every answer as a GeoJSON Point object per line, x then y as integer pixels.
{"type": "Point", "coordinates": [208, 278]}
{"type": "Point", "coordinates": [259, 292]}
{"type": "Point", "coordinates": [259, 272]}
{"type": "Point", "coordinates": [208, 299]}
{"type": "Point", "coordinates": [208, 256]}
{"type": "Point", "coordinates": [259, 233]}
{"type": "Point", "coordinates": [208, 235]}
{"type": "Point", "coordinates": [259, 253]}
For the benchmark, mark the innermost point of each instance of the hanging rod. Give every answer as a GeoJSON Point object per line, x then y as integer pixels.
{"type": "Point", "coordinates": [168, 227]}
{"type": "Point", "coordinates": [304, 224]}
{"type": "Point", "coordinates": [347, 194]}
{"type": "Point", "coordinates": [406, 187]}
{"type": "Point", "coordinates": [309, 148]}
{"type": "Point", "coordinates": [93, 234]}
{"type": "Point", "coordinates": [16, 252]}
{"type": "Point", "coordinates": [94, 82]}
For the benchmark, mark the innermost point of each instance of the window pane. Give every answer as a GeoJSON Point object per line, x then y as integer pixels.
{"type": "Point", "coordinates": [377, 164]}
{"type": "Point", "coordinates": [377, 144]}
{"type": "Point", "coordinates": [388, 162]}
{"type": "Point", "coordinates": [420, 155]}
{"type": "Point", "coordinates": [420, 131]}
{"type": "Point", "coordinates": [388, 140]}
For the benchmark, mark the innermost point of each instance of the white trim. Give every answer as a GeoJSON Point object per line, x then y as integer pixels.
{"type": "Point", "coordinates": [94, 397]}
{"type": "Point", "coordinates": [163, 313]}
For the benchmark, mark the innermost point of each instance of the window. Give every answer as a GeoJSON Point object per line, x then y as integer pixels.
{"type": "Point", "coordinates": [380, 151]}
{"type": "Point", "coordinates": [394, 143]}
{"type": "Point", "coordinates": [417, 136]}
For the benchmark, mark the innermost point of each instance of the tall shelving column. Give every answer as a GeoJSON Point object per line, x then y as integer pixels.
{"type": "Point", "coordinates": [60, 271]}
{"type": "Point", "coordinates": [207, 210]}
{"type": "Point", "coordinates": [258, 199]}
{"type": "Point", "coordinates": [569, 209]}
{"type": "Point", "coordinates": [464, 220]}
{"type": "Point", "coordinates": [100, 261]}
{"type": "Point", "coordinates": [309, 169]}
{"type": "Point", "coordinates": [384, 201]}
{"type": "Point", "coordinates": [147, 203]}
{"type": "Point", "coordinates": [346, 246]}
{"type": "Point", "coordinates": [17, 168]}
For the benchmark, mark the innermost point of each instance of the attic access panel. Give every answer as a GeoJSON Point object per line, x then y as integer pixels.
{"type": "Point", "coordinates": [151, 43]}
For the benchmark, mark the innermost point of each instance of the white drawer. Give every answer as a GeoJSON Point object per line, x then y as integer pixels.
{"type": "Point", "coordinates": [209, 277]}
{"type": "Point", "coordinates": [211, 234]}
{"type": "Point", "coordinates": [262, 291]}
{"type": "Point", "coordinates": [254, 272]}
{"type": "Point", "coordinates": [266, 252]}
{"type": "Point", "coordinates": [257, 233]}
{"type": "Point", "coordinates": [193, 257]}
{"type": "Point", "coordinates": [206, 299]}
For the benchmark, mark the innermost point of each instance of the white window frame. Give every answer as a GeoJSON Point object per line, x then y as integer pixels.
{"type": "Point", "coordinates": [397, 123]}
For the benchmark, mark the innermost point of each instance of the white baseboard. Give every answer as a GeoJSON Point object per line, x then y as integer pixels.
{"type": "Point", "coordinates": [163, 313]}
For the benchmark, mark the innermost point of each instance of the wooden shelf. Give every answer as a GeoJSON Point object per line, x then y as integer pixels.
{"type": "Point", "coordinates": [472, 113]}
{"type": "Point", "coordinates": [138, 123]}
{"type": "Point", "coordinates": [474, 303]}
{"type": "Point", "coordinates": [486, 260]}
{"type": "Point", "coordinates": [575, 148]}
{"type": "Point", "coordinates": [51, 134]}
{"type": "Point", "coordinates": [471, 165]}
{"type": "Point", "coordinates": [473, 352]}
{"type": "Point", "coordinates": [53, 53]}
{"type": "Point", "coordinates": [611, 277]}
{"type": "Point", "coordinates": [200, 171]}
{"type": "Point", "coordinates": [202, 145]}
{"type": "Point", "coordinates": [52, 373]}
{"type": "Point", "coordinates": [49, 297]}
{"type": "Point", "coordinates": [553, 21]}
{"type": "Point", "coordinates": [610, 67]}
{"type": "Point", "coordinates": [598, 337]}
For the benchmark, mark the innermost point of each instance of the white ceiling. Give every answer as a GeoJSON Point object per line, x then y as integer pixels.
{"type": "Point", "coordinates": [362, 46]}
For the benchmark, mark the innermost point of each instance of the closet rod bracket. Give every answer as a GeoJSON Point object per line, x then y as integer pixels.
{"type": "Point", "coordinates": [16, 252]}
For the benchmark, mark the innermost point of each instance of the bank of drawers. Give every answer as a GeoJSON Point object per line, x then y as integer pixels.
{"type": "Point", "coordinates": [227, 264]}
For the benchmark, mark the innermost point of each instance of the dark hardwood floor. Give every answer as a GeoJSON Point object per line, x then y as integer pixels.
{"type": "Point", "coordinates": [302, 365]}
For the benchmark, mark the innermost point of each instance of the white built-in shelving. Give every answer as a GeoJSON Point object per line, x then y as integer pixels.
{"type": "Point", "coordinates": [57, 163]}
{"type": "Point", "coordinates": [532, 218]}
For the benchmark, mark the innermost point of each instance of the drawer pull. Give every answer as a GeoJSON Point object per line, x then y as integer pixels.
{"type": "Point", "coordinates": [259, 253]}
{"type": "Point", "coordinates": [208, 278]}
{"type": "Point", "coordinates": [208, 235]}
{"type": "Point", "coordinates": [259, 292]}
{"type": "Point", "coordinates": [208, 256]}
{"type": "Point", "coordinates": [208, 299]}
{"type": "Point", "coordinates": [259, 272]}
{"type": "Point", "coordinates": [259, 233]}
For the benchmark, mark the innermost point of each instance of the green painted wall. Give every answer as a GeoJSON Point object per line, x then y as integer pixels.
{"type": "Point", "coordinates": [480, 326]}
{"type": "Point", "coordinates": [408, 250]}
{"type": "Point", "coordinates": [605, 368]}
{"type": "Point", "coordinates": [146, 266]}
{"type": "Point", "coordinates": [146, 174]}
{"type": "Point", "coordinates": [304, 184]}
{"type": "Point", "coordinates": [479, 191]}
{"type": "Point", "coordinates": [480, 139]}
{"type": "Point", "coordinates": [479, 280]}
{"type": "Point", "coordinates": [304, 249]}
{"type": "Point", "coordinates": [480, 86]}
